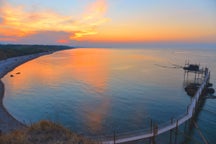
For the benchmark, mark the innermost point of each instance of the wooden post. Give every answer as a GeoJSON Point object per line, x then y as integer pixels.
{"type": "Point", "coordinates": [155, 131]}
{"type": "Point", "coordinates": [114, 137]}
{"type": "Point", "coordinates": [190, 122]}
{"type": "Point", "coordinates": [176, 133]}
{"type": "Point", "coordinates": [170, 141]}
{"type": "Point", "coordinates": [209, 76]}
{"type": "Point", "coordinates": [152, 140]}
{"type": "Point", "coordinates": [184, 76]}
{"type": "Point", "coordinates": [188, 109]}
{"type": "Point", "coordinates": [198, 76]}
{"type": "Point", "coordinates": [176, 126]}
{"type": "Point", "coordinates": [171, 132]}
{"type": "Point", "coordinates": [185, 126]}
{"type": "Point", "coordinates": [200, 133]}
{"type": "Point", "coordinates": [193, 111]}
{"type": "Point", "coordinates": [195, 78]}
{"type": "Point", "coordinates": [151, 125]}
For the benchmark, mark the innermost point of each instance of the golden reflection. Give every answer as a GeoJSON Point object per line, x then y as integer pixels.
{"type": "Point", "coordinates": [96, 116]}
{"type": "Point", "coordinates": [46, 73]}
{"type": "Point", "coordinates": [90, 66]}
{"type": "Point", "coordinates": [93, 68]}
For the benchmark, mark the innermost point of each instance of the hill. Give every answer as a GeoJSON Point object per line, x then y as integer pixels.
{"type": "Point", "coordinates": [10, 50]}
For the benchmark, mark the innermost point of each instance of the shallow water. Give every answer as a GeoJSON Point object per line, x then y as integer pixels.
{"type": "Point", "coordinates": [95, 91]}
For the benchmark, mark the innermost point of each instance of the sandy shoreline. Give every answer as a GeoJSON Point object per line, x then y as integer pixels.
{"type": "Point", "coordinates": [7, 121]}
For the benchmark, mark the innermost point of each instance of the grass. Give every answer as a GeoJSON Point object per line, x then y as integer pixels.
{"type": "Point", "coordinates": [44, 132]}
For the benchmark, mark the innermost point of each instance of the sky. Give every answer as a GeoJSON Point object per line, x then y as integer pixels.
{"type": "Point", "coordinates": [107, 22]}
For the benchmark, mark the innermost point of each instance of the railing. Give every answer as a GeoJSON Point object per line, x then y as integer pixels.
{"type": "Point", "coordinates": [158, 129]}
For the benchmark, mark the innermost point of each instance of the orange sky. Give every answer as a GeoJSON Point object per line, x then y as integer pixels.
{"type": "Point", "coordinates": [107, 21]}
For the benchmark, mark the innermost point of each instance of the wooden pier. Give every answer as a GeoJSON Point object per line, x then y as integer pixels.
{"type": "Point", "coordinates": [153, 131]}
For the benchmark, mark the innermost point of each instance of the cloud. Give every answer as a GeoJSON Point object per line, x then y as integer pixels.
{"type": "Point", "coordinates": [16, 21]}
{"type": "Point", "coordinates": [7, 39]}
{"type": "Point", "coordinates": [62, 41]}
{"type": "Point", "coordinates": [45, 37]}
{"type": "Point", "coordinates": [92, 17]}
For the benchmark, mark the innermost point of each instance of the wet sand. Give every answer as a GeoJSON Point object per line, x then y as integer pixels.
{"type": "Point", "coordinates": [8, 122]}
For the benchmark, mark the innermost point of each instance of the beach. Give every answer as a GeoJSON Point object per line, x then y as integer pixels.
{"type": "Point", "coordinates": [8, 122]}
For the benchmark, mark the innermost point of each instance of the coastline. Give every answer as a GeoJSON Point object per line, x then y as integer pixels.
{"type": "Point", "coordinates": [7, 121]}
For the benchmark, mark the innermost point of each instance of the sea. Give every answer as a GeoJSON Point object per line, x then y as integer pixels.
{"type": "Point", "coordinates": [100, 92]}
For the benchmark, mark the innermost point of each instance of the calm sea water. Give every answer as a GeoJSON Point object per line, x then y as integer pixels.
{"type": "Point", "coordinates": [95, 91]}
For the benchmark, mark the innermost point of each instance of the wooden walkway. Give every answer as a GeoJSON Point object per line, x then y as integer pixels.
{"type": "Point", "coordinates": [171, 125]}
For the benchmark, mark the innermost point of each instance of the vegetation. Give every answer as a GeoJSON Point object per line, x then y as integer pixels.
{"type": "Point", "coordinates": [7, 51]}
{"type": "Point", "coordinates": [43, 132]}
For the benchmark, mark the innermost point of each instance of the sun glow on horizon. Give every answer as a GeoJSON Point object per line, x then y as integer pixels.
{"type": "Point", "coordinates": [101, 21]}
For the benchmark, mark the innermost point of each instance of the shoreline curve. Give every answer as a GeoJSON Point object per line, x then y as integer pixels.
{"type": "Point", "coordinates": [7, 122]}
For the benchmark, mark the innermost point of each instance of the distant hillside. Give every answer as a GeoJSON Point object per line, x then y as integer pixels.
{"type": "Point", "coordinates": [8, 51]}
